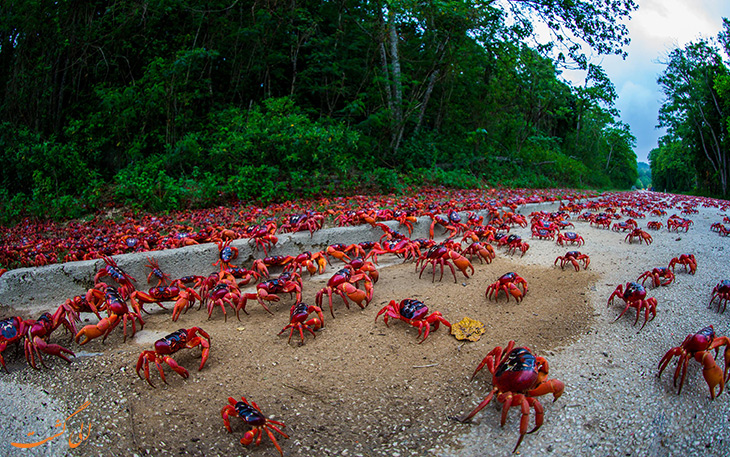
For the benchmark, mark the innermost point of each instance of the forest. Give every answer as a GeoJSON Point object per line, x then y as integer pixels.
{"type": "Point", "coordinates": [693, 155]}
{"type": "Point", "coordinates": [169, 104]}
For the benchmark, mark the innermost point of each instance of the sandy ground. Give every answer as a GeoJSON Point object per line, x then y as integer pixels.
{"type": "Point", "coordinates": [358, 388]}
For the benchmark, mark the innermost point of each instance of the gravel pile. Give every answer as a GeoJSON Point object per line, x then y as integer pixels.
{"type": "Point", "coordinates": [614, 404]}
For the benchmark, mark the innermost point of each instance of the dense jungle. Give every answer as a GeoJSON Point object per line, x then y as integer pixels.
{"type": "Point", "coordinates": [170, 104]}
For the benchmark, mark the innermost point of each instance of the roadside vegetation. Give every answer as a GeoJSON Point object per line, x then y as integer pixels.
{"type": "Point", "coordinates": [169, 105]}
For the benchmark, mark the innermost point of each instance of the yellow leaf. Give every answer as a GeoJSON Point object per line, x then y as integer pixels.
{"type": "Point", "coordinates": [468, 329]}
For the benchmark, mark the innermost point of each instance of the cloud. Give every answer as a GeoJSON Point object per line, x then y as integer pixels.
{"type": "Point", "coordinates": [657, 28]}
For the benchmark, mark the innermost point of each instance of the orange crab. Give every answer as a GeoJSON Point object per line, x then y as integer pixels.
{"type": "Point", "coordinates": [518, 376]}
{"type": "Point", "coordinates": [508, 283]}
{"type": "Point", "coordinates": [699, 346]}
{"type": "Point", "coordinates": [573, 257]}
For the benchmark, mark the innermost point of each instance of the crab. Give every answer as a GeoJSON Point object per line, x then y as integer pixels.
{"type": "Point", "coordinates": [484, 252]}
{"type": "Point", "coordinates": [12, 330]}
{"type": "Point", "coordinates": [654, 225]}
{"type": "Point", "coordinates": [251, 414]}
{"type": "Point", "coordinates": [110, 299]}
{"type": "Point", "coordinates": [415, 313]}
{"type": "Point", "coordinates": [224, 292]}
{"type": "Point", "coordinates": [114, 271]}
{"type": "Point", "coordinates": [165, 347]}
{"type": "Point", "coordinates": [290, 283]}
{"type": "Point", "coordinates": [452, 224]}
{"type": "Point", "coordinates": [340, 251]}
{"type": "Point", "coordinates": [309, 220]}
{"type": "Point", "coordinates": [543, 234]}
{"type": "Point", "coordinates": [641, 235]}
{"type": "Point", "coordinates": [513, 243]}
{"type": "Point", "coordinates": [314, 263]}
{"type": "Point", "coordinates": [569, 237]}
{"type": "Point", "coordinates": [699, 346]}
{"type": "Point", "coordinates": [299, 313]}
{"type": "Point", "coordinates": [676, 223]}
{"type": "Point", "coordinates": [226, 254]}
{"type": "Point", "coordinates": [623, 226]}
{"type": "Point", "coordinates": [183, 296]}
{"type": "Point", "coordinates": [688, 260]}
{"type": "Point", "coordinates": [573, 257]}
{"type": "Point", "coordinates": [406, 248]}
{"type": "Point", "coordinates": [722, 293]}
{"type": "Point", "coordinates": [661, 276]}
{"type": "Point", "coordinates": [157, 273]}
{"type": "Point", "coordinates": [345, 284]}
{"type": "Point", "coordinates": [518, 377]}
{"type": "Point", "coordinates": [634, 295]}
{"type": "Point", "coordinates": [262, 236]}
{"type": "Point", "coordinates": [442, 255]}
{"type": "Point", "coordinates": [509, 283]}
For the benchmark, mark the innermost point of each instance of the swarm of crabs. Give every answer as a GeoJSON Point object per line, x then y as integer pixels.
{"type": "Point", "coordinates": [461, 231]}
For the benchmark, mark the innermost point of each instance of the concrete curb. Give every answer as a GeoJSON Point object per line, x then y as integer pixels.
{"type": "Point", "coordinates": [39, 289]}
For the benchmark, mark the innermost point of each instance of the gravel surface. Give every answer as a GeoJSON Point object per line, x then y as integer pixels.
{"type": "Point", "coordinates": [614, 403]}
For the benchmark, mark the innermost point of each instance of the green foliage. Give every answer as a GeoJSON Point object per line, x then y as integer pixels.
{"type": "Point", "coordinates": [146, 184]}
{"type": "Point", "coordinates": [169, 106]}
{"type": "Point", "coordinates": [279, 134]}
{"type": "Point", "coordinates": [256, 183]}
{"type": "Point", "coordinates": [671, 168]}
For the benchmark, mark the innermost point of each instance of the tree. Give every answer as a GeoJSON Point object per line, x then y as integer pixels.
{"type": "Point", "coordinates": [694, 111]}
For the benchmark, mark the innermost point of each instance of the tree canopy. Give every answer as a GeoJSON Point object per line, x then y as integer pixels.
{"type": "Point", "coordinates": [694, 152]}
{"type": "Point", "coordinates": [171, 102]}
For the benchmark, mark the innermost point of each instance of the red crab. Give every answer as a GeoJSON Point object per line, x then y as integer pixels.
{"type": "Point", "coordinates": [345, 284]}
{"type": "Point", "coordinates": [415, 313]}
{"type": "Point", "coordinates": [508, 283]}
{"type": "Point", "coordinates": [634, 295]}
{"type": "Point", "coordinates": [226, 254]}
{"type": "Point", "coordinates": [290, 283]}
{"type": "Point", "coordinates": [514, 242]}
{"type": "Point", "coordinates": [722, 293]}
{"type": "Point", "coordinates": [699, 346]}
{"type": "Point", "coordinates": [442, 255]}
{"type": "Point", "coordinates": [251, 414]}
{"type": "Point", "coordinates": [314, 263]}
{"type": "Point", "coordinates": [309, 220]}
{"type": "Point", "coordinates": [114, 271]}
{"type": "Point", "coordinates": [518, 376]}
{"type": "Point", "coordinates": [39, 331]}
{"type": "Point", "coordinates": [299, 313]}
{"type": "Point", "coordinates": [111, 300]}
{"type": "Point", "coordinates": [543, 234]}
{"type": "Point", "coordinates": [222, 293]}
{"type": "Point", "coordinates": [340, 251]}
{"type": "Point", "coordinates": [406, 248]}
{"type": "Point", "coordinates": [654, 225]}
{"type": "Point", "coordinates": [157, 273]}
{"type": "Point", "coordinates": [569, 237]}
{"type": "Point", "coordinates": [485, 252]}
{"type": "Point", "coordinates": [642, 235]}
{"type": "Point", "coordinates": [573, 257]}
{"type": "Point", "coordinates": [165, 347]}
{"type": "Point", "coordinates": [688, 260]}
{"type": "Point", "coordinates": [660, 276]}
{"type": "Point", "coordinates": [12, 330]}
{"type": "Point", "coordinates": [263, 236]}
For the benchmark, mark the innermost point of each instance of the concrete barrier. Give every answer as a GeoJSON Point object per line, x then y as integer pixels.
{"type": "Point", "coordinates": [39, 289]}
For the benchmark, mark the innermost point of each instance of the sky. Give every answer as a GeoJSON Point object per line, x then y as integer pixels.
{"type": "Point", "coordinates": [656, 28]}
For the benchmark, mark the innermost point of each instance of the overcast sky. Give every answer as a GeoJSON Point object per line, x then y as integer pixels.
{"type": "Point", "coordinates": [658, 27]}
